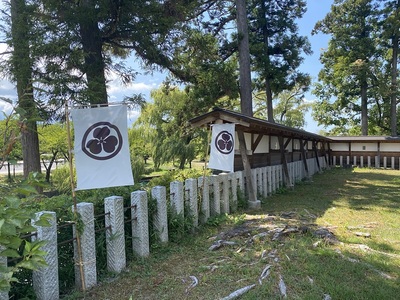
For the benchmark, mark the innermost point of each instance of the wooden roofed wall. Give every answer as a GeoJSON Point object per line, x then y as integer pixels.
{"type": "Point", "coordinates": [367, 151]}
{"type": "Point", "coordinates": [273, 155]}
{"type": "Point", "coordinates": [268, 143]}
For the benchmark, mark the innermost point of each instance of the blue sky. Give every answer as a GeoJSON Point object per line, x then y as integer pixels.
{"type": "Point", "coordinates": [316, 10]}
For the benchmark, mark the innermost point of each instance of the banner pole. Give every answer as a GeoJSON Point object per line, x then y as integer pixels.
{"type": "Point", "coordinates": [206, 156]}
{"type": "Point", "coordinates": [71, 180]}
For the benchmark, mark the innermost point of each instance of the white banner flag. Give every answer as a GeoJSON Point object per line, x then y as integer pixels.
{"type": "Point", "coordinates": [222, 147]}
{"type": "Point", "coordinates": [101, 147]}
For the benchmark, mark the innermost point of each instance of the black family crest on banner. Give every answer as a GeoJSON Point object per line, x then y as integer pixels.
{"type": "Point", "coordinates": [102, 141]}
{"type": "Point", "coordinates": [224, 142]}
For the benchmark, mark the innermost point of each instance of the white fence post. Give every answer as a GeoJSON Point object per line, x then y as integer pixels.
{"type": "Point", "coordinates": [264, 181]}
{"type": "Point", "coordinates": [191, 188]}
{"type": "Point", "coordinates": [215, 203]}
{"type": "Point", "coordinates": [140, 223]}
{"type": "Point", "coordinates": [377, 162]}
{"type": "Point", "coordinates": [233, 185]}
{"type": "Point", "coordinates": [115, 233]}
{"type": "Point", "coordinates": [269, 179]}
{"type": "Point", "coordinates": [254, 180]}
{"type": "Point", "coordinates": [45, 279]}
{"type": "Point", "coordinates": [204, 187]}
{"type": "Point", "coordinates": [176, 197]}
{"type": "Point", "coordinates": [225, 193]}
{"type": "Point", "coordinates": [160, 220]}
{"type": "Point", "coordinates": [88, 247]}
{"type": "Point", "coordinates": [240, 180]}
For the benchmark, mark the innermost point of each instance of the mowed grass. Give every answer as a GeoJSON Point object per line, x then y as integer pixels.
{"type": "Point", "coordinates": [360, 207]}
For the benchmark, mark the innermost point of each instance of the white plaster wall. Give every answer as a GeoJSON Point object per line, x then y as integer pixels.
{"type": "Point", "coordinates": [296, 144]}
{"type": "Point", "coordinates": [340, 146]}
{"type": "Point", "coordinates": [390, 147]}
{"type": "Point", "coordinates": [274, 143]}
{"type": "Point", "coordinates": [368, 146]}
{"type": "Point", "coordinates": [289, 147]}
{"type": "Point", "coordinates": [263, 146]}
{"type": "Point", "coordinates": [247, 138]}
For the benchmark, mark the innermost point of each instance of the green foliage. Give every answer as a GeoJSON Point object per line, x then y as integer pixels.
{"type": "Point", "coordinates": [355, 84]}
{"type": "Point", "coordinates": [139, 145]}
{"type": "Point", "coordinates": [276, 48]}
{"type": "Point", "coordinates": [9, 141]}
{"type": "Point", "coordinates": [179, 226]}
{"type": "Point", "coordinates": [15, 217]}
{"type": "Point", "coordinates": [53, 144]}
{"type": "Point", "coordinates": [242, 201]}
{"type": "Point", "coordinates": [289, 106]}
{"type": "Point", "coordinates": [138, 167]}
{"type": "Point", "coordinates": [179, 175]}
{"type": "Point", "coordinates": [61, 179]}
{"type": "Point", "coordinates": [166, 123]}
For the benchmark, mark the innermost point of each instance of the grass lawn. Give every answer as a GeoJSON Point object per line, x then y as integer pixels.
{"type": "Point", "coordinates": [280, 250]}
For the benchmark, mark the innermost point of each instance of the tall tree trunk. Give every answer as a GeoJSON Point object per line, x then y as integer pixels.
{"type": "Point", "coordinates": [364, 108]}
{"type": "Point", "coordinates": [92, 47]}
{"type": "Point", "coordinates": [268, 91]}
{"type": "Point", "coordinates": [22, 72]}
{"type": "Point", "coordinates": [246, 103]}
{"type": "Point", "coordinates": [393, 96]}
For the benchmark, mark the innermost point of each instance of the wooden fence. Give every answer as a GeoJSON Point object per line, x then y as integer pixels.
{"type": "Point", "coordinates": [366, 161]}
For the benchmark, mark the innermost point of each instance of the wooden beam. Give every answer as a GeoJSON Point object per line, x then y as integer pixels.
{"type": "Point", "coordinates": [205, 121]}
{"type": "Point", "coordinates": [316, 155]}
{"type": "Point", "coordinates": [304, 158]}
{"type": "Point", "coordinates": [289, 139]}
{"type": "Point", "coordinates": [247, 169]}
{"type": "Point", "coordinates": [214, 119]}
{"type": "Point", "coordinates": [326, 153]}
{"type": "Point", "coordinates": [230, 119]}
{"type": "Point", "coordinates": [255, 144]}
{"type": "Point", "coordinates": [286, 176]}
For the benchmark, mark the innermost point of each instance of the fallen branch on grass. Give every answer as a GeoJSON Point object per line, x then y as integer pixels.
{"type": "Point", "coordinates": [365, 248]}
{"type": "Point", "coordinates": [282, 286]}
{"type": "Point", "coordinates": [239, 292]}
{"type": "Point", "coordinates": [218, 244]}
{"type": "Point", "coordinates": [264, 273]}
{"type": "Point", "coordinates": [194, 283]}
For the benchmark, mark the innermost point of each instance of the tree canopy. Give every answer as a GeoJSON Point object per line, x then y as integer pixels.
{"type": "Point", "coordinates": [355, 87]}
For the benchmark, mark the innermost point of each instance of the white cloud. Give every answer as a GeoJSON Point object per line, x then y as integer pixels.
{"type": "Point", "coordinates": [5, 108]}
{"type": "Point", "coordinates": [132, 116]}
{"type": "Point", "coordinates": [308, 100]}
{"type": "Point", "coordinates": [139, 87]}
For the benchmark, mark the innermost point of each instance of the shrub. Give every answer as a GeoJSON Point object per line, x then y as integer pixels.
{"type": "Point", "coordinates": [16, 213]}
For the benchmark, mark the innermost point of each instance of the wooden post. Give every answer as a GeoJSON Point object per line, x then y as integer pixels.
{"type": "Point", "coordinates": [314, 145]}
{"type": "Point", "coordinates": [304, 158]}
{"type": "Point", "coordinates": [286, 177]}
{"type": "Point", "coordinates": [253, 202]}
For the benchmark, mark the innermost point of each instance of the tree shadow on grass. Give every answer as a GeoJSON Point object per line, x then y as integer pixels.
{"type": "Point", "coordinates": [365, 267]}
